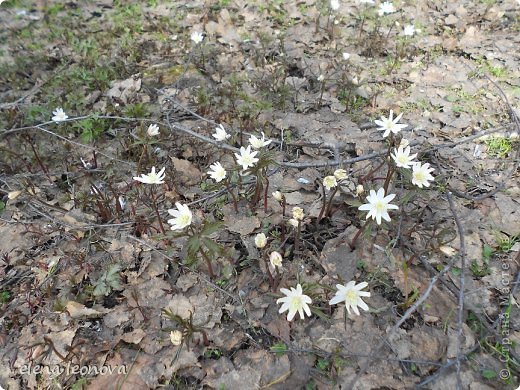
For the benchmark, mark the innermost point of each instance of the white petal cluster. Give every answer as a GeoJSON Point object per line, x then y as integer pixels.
{"type": "Point", "coordinates": [152, 178]}
{"type": "Point", "coordinates": [258, 143]}
{"type": "Point", "coordinates": [378, 205]}
{"type": "Point", "coordinates": [351, 294]}
{"type": "Point", "coordinates": [246, 158]}
{"type": "Point", "coordinates": [220, 133]}
{"type": "Point", "coordinates": [59, 115]}
{"type": "Point", "coordinates": [217, 172]}
{"type": "Point", "coordinates": [181, 217]}
{"type": "Point", "coordinates": [295, 301]}
{"type": "Point", "coordinates": [390, 125]}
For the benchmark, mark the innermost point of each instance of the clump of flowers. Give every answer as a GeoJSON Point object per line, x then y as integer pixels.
{"type": "Point", "coordinates": [351, 294]}
{"type": "Point", "coordinates": [295, 301]}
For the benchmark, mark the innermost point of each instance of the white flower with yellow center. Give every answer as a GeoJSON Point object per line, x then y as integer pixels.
{"type": "Point", "coordinates": [220, 133]}
{"type": "Point", "coordinates": [258, 143]}
{"type": "Point", "coordinates": [217, 172]}
{"type": "Point", "coordinates": [340, 174]}
{"type": "Point", "coordinates": [297, 213]}
{"type": "Point", "coordinates": [351, 294]}
{"type": "Point", "coordinates": [378, 205]}
{"type": "Point", "coordinates": [275, 259]}
{"type": "Point", "coordinates": [402, 157]}
{"type": "Point", "coordinates": [421, 175]}
{"type": "Point", "coordinates": [246, 158]}
{"type": "Point", "coordinates": [260, 240]}
{"type": "Point", "coordinates": [390, 125]}
{"type": "Point", "coordinates": [295, 301]}
{"type": "Point", "coordinates": [59, 115]}
{"type": "Point", "coordinates": [181, 217]}
{"type": "Point", "coordinates": [152, 130]}
{"type": "Point", "coordinates": [152, 178]}
{"type": "Point", "coordinates": [329, 182]}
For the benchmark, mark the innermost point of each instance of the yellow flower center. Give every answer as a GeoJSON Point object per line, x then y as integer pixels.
{"type": "Point", "coordinates": [295, 304]}
{"type": "Point", "coordinates": [420, 176]}
{"type": "Point", "coordinates": [184, 220]}
{"type": "Point", "coordinates": [351, 297]}
{"type": "Point", "coordinates": [380, 206]}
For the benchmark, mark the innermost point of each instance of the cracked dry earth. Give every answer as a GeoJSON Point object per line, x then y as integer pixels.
{"type": "Point", "coordinates": [86, 278]}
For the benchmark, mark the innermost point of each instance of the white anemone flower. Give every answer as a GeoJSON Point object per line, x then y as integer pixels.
{"type": "Point", "coordinates": [346, 56]}
{"type": "Point", "coordinates": [258, 143]}
{"type": "Point", "coordinates": [260, 240]}
{"type": "Point", "coordinates": [275, 259]}
{"type": "Point", "coordinates": [297, 213]}
{"type": "Point", "coordinates": [181, 217]}
{"type": "Point", "coordinates": [197, 37]}
{"type": "Point", "coordinates": [277, 195]}
{"type": "Point", "coordinates": [153, 177]}
{"type": "Point", "coordinates": [246, 158]}
{"type": "Point", "coordinates": [217, 172]}
{"type": "Point", "coordinates": [351, 294]}
{"type": "Point", "coordinates": [329, 182]}
{"type": "Point", "coordinates": [378, 205]}
{"type": "Point", "coordinates": [340, 174]}
{"type": "Point", "coordinates": [390, 125]}
{"type": "Point", "coordinates": [59, 115]}
{"type": "Point", "coordinates": [409, 30]}
{"type": "Point", "coordinates": [402, 157]}
{"type": "Point", "coordinates": [334, 5]}
{"type": "Point", "coordinates": [386, 8]}
{"type": "Point", "coordinates": [295, 301]}
{"type": "Point", "coordinates": [176, 337]}
{"type": "Point", "coordinates": [220, 133]}
{"type": "Point", "coordinates": [152, 130]}
{"type": "Point", "coordinates": [421, 175]}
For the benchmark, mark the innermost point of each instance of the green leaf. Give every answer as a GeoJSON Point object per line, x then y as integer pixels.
{"type": "Point", "coordinates": [210, 228]}
{"type": "Point", "coordinates": [212, 246]}
{"type": "Point", "coordinates": [2, 205]}
{"type": "Point", "coordinates": [455, 271]}
{"type": "Point", "coordinates": [279, 348]}
{"type": "Point", "coordinates": [487, 251]}
{"type": "Point", "coordinates": [489, 374]}
{"type": "Point", "coordinates": [193, 244]}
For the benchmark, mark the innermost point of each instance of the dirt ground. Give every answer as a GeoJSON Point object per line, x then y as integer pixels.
{"type": "Point", "coordinates": [97, 291]}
